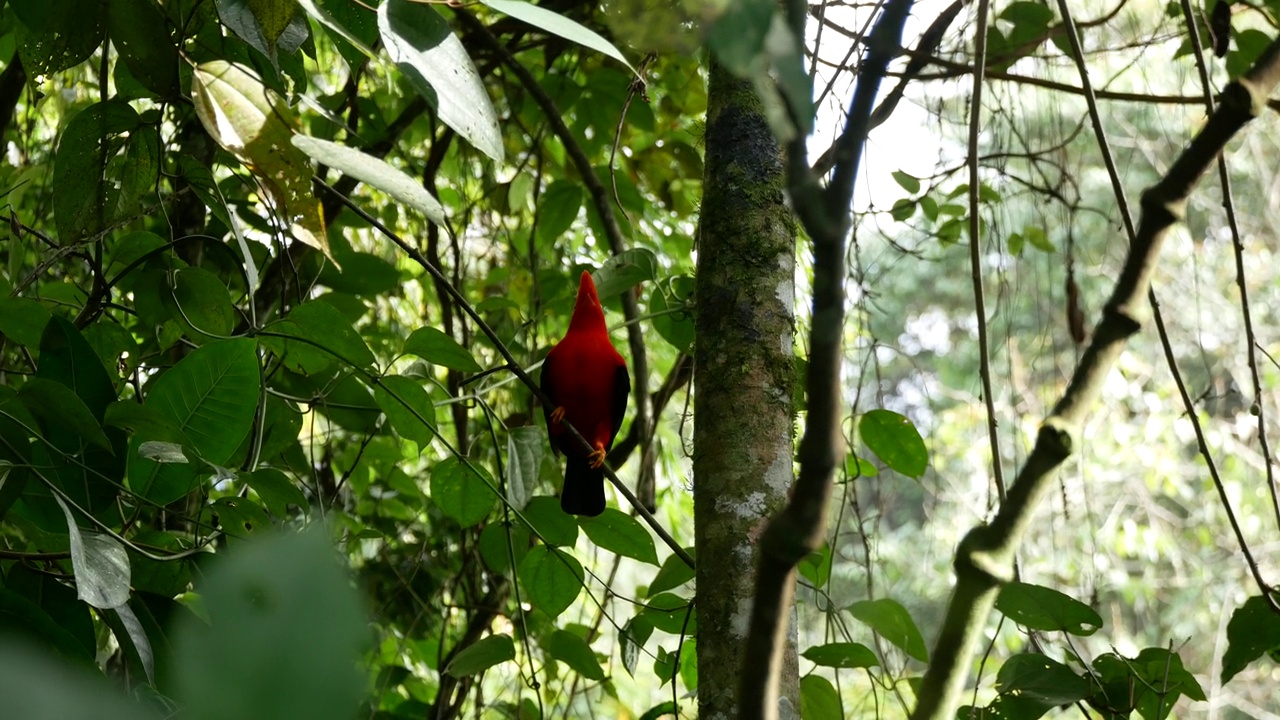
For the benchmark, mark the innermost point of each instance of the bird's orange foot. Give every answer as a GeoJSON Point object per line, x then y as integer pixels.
{"type": "Point", "coordinates": [557, 415]}
{"type": "Point", "coordinates": [596, 458]}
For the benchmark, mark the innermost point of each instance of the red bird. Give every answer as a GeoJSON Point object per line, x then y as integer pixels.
{"type": "Point", "coordinates": [588, 384]}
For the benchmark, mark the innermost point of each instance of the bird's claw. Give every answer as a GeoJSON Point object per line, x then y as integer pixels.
{"type": "Point", "coordinates": [557, 415]}
{"type": "Point", "coordinates": [596, 458]}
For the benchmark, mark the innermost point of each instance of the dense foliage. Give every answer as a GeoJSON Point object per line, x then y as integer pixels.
{"type": "Point", "coordinates": [277, 275]}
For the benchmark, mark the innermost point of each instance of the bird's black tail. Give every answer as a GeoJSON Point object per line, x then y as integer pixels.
{"type": "Point", "coordinates": [583, 492]}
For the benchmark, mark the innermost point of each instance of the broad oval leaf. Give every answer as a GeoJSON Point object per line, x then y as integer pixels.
{"type": "Point", "coordinates": [573, 651]}
{"type": "Point", "coordinates": [841, 655]}
{"type": "Point", "coordinates": [62, 414]}
{"type": "Point", "coordinates": [892, 622]}
{"type": "Point", "coordinates": [1046, 609]}
{"type": "Point", "coordinates": [671, 613]}
{"type": "Point", "coordinates": [1254, 629]}
{"type": "Point", "coordinates": [673, 573]}
{"type": "Point", "coordinates": [482, 655]}
{"type": "Point", "coordinates": [557, 24]}
{"type": "Point", "coordinates": [1042, 680]}
{"type": "Point", "coordinates": [408, 407]}
{"type": "Point", "coordinates": [819, 699]}
{"type": "Point", "coordinates": [620, 533]}
{"type": "Point", "coordinates": [327, 330]}
{"type": "Point", "coordinates": [436, 347]}
{"type": "Point", "coordinates": [211, 396]}
{"type": "Point", "coordinates": [459, 493]}
{"type": "Point", "coordinates": [553, 526]}
{"type": "Point", "coordinates": [551, 580]}
{"type": "Point", "coordinates": [85, 196]}
{"type": "Point", "coordinates": [895, 441]}
{"type": "Point", "coordinates": [373, 172]}
{"type": "Point", "coordinates": [100, 565]}
{"type": "Point", "coordinates": [435, 62]}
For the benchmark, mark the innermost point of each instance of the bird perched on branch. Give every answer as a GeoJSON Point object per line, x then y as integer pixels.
{"type": "Point", "coordinates": [588, 384]}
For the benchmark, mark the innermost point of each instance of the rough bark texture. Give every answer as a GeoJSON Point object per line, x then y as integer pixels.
{"type": "Point", "coordinates": [743, 375]}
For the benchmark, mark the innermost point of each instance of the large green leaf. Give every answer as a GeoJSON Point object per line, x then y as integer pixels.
{"type": "Point", "coordinates": [408, 407]}
{"type": "Point", "coordinates": [482, 655]}
{"type": "Point", "coordinates": [459, 493]}
{"type": "Point", "coordinates": [819, 699]}
{"type": "Point", "coordinates": [23, 320]}
{"type": "Point", "coordinates": [620, 533]}
{"type": "Point", "coordinates": [892, 622]}
{"type": "Point", "coordinates": [841, 655]}
{"type": "Point", "coordinates": [573, 651]}
{"type": "Point", "coordinates": [436, 347]}
{"type": "Point", "coordinates": [1254, 630]}
{"type": "Point", "coordinates": [85, 198]}
{"type": "Point", "coordinates": [286, 629]}
{"type": "Point", "coordinates": [58, 34]}
{"type": "Point", "coordinates": [550, 580]}
{"type": "Point", "coordinates": [138, 31]}
{"type": "Point", "coordinates": [553, 525]}
{"type": "Point", "coordinates": [895, 441]}
{"type": "Point", "coordinates": [373, 172]}
{"type": "Point", "coordinates": [100, 565]}
{"type": "Point", "coordinates": [557, 24]}
{"type": "Point", "coordinates": [1046, 609]}
{"type": "Point", "coordinates": [211, 396]}
{"type": "Point", "coordinates": [435, 62]}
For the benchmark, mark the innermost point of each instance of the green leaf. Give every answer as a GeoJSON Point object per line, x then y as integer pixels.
{"type": "Point", "coordinates": [374, 172]}
{"type": "Point", "coordinates": [436, 347]}
{"type": "Point", "coordinates": [286, 629]}
{"type": "Point", "coordinates": [482, 655]}
{"type": "Point", "coordinates": [458, 493]}
{"type": "Point", "coordinates": [624, 271]}
{"type": "Point", "coordinates": [671, 613]}
{"type": "Point", "coordinates": [819, 699]}
{"type": "Point", "coordinates": [525, 448]}
{"type": "Point", "coordinates": [277, 491]}
{"type": "Point", "coordinates": [551, 580]}
{"type": "Point", "coordinates": [494, 546]}
{"type": "Point", "coordinates": [574, 652]}
{"type": "Point", "coordinates": [265, 24]}
{"type": "Point", "coordinates": [58, 34]}
{"type": "Point", "coordinates": [327, 328]}
{"type": "Point", "coordinates": [198, 302]}
{"type": "Point", "coordinates": [1035, 237]}
{"type": "Point", "coordinates": [40, 608]}
{"type": "Point", "coordinates": [1046, 609]}
{"type": "Point", "coordinates": [557, 24]}
{"type": "Point", "coordinates": [100, 565]}
{"type": "Point", "coordinates": [211, 395]}
{"type": "Point", "coordinates": [23, 320]}
{"type": "Point", "coordinates": [633, 637]}
{"type": "Point", "coordinates": [816, 566]}
{"type": "Point", "coordinates": [620, 533]}
{"type": "Point", "coordinates": [1253, 631]}
{"type": "Point", "coordinates": [62, 414]}
{"type": "Point", "coordinates": [436, 63]}
{"type": "Point", "coordinates": [903, 209]}
{"type": "Point", "coordinates": [906, 181]}
{"type": "Point", "coordinates": [354, 30]}
{"type": "Point", "coordinates": [362, 274]}
{"type": "Point", "coordinates": [85, 197]}
{"type": "Point", "coordinates": [841, 655]}
{"type": "Point", "coordinates": [137, 29]}
{"type": "Point", "coordinates": [552, 524]}
{"type": "Point", "coordinates": [895, 441]}
{"type": "Point", "coordinates": [673, 573]}
{"type": "Point", "coordinates": [737, 37]}
{"type": "Point", "coordinates": [672, 316]}
{"type": "Point", "coordinates": [558, 208]}
{"type": "Point", "coordinates": [659, 711]}
{"type": "Point", "coordinates": [1041, 679]}
{"type": "Point", "coordinates": [408, 407]}
{"type": "Point", "coordinates": [892, 622]}
{"type": "Point", "coordinates": [252, 123]}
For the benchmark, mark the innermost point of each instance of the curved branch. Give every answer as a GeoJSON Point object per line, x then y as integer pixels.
{"type": "Point", "coordinates": [984, 560]}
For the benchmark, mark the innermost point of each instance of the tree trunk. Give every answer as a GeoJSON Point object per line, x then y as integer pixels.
{"type": "Point", "coordinates": [743, 374]}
